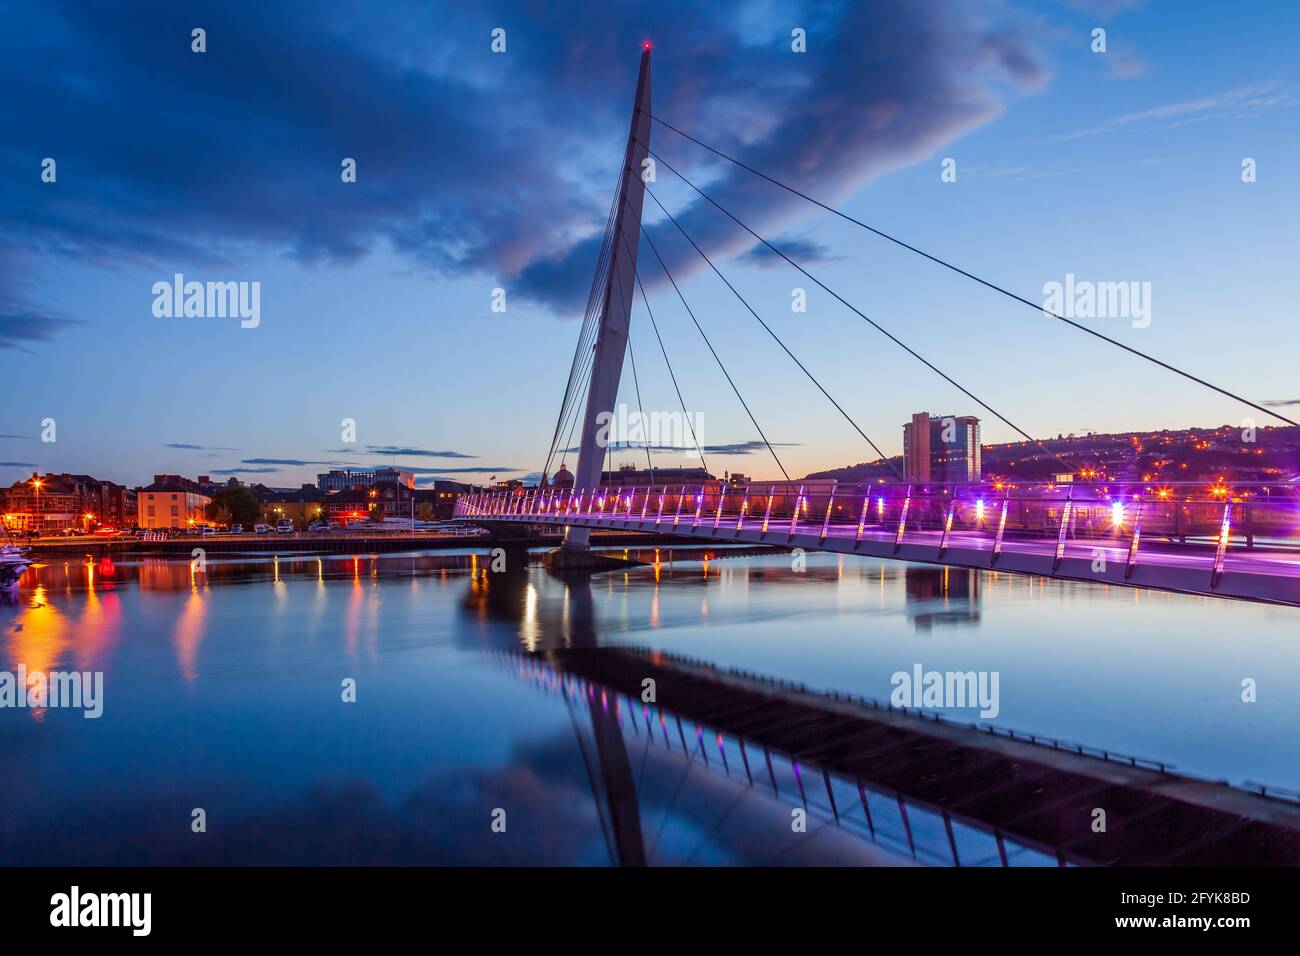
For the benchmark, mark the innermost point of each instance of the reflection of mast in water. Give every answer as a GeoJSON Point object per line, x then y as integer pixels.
{"type": "Point", "coordinates": [614, 770]}
{"type": "Point", "coordinates": [943, 597]}
{"type": "Point", "coordinates": [510, 595]}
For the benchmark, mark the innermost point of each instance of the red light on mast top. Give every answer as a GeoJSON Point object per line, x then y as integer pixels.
{"type": "Point", "coordinates": [646, 45]}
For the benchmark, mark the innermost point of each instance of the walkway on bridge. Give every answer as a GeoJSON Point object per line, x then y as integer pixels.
{"type": "Point", "coordinates": [1136, 540]}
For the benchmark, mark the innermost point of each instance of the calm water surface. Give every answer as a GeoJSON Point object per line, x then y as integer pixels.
{"type": "Point", "coordinates": [222, 691]}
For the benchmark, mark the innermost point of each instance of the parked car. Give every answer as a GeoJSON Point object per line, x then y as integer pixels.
{"type": "Point", "coordinates": [261, 528]}
{"type": "Point", "coordinates": [318, 526]}
{"type": "Point", "coordinates": [284, 526]}
{"type": "Point", "coordinates": [236, 529]}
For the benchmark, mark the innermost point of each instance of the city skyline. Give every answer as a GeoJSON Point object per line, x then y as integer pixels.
{"type": "Point", "coordinates": [476, 172]}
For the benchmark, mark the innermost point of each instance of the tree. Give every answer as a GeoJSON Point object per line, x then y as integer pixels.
{"type": "Point", "coordinates": [240, 504]}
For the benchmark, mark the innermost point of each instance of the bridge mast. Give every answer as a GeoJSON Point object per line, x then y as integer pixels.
{"type": "Point", "coordinates": [611, 340]}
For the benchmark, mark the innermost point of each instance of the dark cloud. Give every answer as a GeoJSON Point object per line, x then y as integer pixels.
{"type": "Point", "coordinates": [144, 132]}
{"type": "Point", "coordinates": [18, 464]}
{"type": "Point", "coordinates": [19, 327]}
{"type": "Point", "coordinates": [23, 319]}
{"type": "Point", "coordinates": [744, 447]}
{"type": "Point", "coordinates": [467, 161]}
{"type": "Point", "coordinates": [289, 461]}
{"type": "Point", "coordinates": [493, 470]}
{"type": "Point", "coordinates": [803, 251]}
{"type": "Point", "coordinates": [1282, 402]}
{"type": "Point", "coordinates": [187, 446]}
{"type": "Point", "coordinates": [244, 471]}
{"type": "Point", "coordinates": [889, 84]}
{"type": "Point", "coordinates": [397, 450]}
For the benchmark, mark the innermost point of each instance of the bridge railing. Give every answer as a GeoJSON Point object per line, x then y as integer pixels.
{"type": "Point", "coordinates": [1125, 519]}
{"type": "Point", "coordinates": [1212, 518]}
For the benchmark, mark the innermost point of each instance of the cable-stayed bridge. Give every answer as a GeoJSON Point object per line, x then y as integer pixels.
{"type": "Point", "coordinates": [1238, 541]}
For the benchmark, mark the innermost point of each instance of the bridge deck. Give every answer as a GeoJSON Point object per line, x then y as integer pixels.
{"type": "Point", "coordinates": [1253, 574]}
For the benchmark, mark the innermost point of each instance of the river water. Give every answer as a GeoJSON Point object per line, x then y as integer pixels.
{"type": "Point", "coordinates": [225, 735]}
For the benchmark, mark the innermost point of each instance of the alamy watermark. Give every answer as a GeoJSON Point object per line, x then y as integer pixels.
{"type": "Point", "coordinates": [934, 690]}
{"type": "Point", "coordinates": [1084, 299]}
{"type": "Point", "coordinates": [76, 908]}
{"type": "Point", "coordinates": [83, 690]}
{"type": "Point", "coordinates": [624, 428]}
{"type": "Point", "coordinates": [209, 300]}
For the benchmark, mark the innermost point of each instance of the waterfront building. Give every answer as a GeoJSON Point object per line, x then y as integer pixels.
{"type": "Point", "coordinates": [171, 501]}
{"type": "Point", "coordinates": [439, 500]}
{"type": "Point", "coordinates": [629, 476]}
{"type": "Point", "coordinates": [344, 479]}
{"type": "Point", "coordinates": [301, 505]}
{"type": "Point", "coordinates": [56, 502]}
{"type": "Point", "coordinates": [944, 448]}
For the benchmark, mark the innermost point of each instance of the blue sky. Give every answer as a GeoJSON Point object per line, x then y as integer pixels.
{"type": "Point", "coordinates": [479, 170]}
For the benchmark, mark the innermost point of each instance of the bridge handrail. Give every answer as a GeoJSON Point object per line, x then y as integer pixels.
{"type": "Point", "coordinates": [1191, 515]}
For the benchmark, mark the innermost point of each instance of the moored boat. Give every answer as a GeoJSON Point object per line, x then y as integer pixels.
{"type": "Point", "coordinates": [13, 562]}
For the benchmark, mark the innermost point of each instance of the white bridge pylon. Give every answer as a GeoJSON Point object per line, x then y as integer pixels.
{"type": "Point", "coordinates": [615, 309]}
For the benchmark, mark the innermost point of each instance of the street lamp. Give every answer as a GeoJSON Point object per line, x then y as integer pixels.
{"type": "Point", "coordinates": [36, 483]}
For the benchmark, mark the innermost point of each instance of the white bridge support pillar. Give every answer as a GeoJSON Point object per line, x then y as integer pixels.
{"type": "Point", "coordinates": [616, 309]}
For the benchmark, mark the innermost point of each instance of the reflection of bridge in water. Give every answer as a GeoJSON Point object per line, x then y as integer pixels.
{"type": "Point", "coordinates": [911, 782]}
